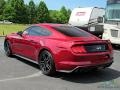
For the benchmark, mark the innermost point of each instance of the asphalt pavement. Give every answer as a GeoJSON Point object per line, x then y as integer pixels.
{"type": "Point", "coordinates": [19, 74]}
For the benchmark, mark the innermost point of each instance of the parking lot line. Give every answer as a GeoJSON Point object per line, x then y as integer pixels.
{"type": "Point", "coordinates": [24, 77]}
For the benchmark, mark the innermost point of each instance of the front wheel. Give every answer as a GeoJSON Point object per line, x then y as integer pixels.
{"type": "Point", "coordinates": [46, 63]}
{"type": "Point", "coordinates": [7, 49]}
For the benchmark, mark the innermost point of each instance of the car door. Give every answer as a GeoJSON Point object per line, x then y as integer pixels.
{"type": "Point", "coordinates": [18, 43]}
{"type": "Point", "coordinates": [29, 43]}
{"type": "Point", "coordinates": [33, 41]}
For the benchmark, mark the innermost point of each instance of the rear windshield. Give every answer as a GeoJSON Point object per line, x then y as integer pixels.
{"type": "Point", "coordinates": [71, 31]}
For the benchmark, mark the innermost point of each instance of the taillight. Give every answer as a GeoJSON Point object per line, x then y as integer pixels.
{"type": "Point", "coordinates": [78, 49]}
{"type": "Point", "coordinates": [109, 45]}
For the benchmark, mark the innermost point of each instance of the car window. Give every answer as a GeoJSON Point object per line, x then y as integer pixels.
{"type": "Point", "coordinates": [71, 31]}
{"type": "Point", "coordinates": [38, 31]}
{"type": "Point", "coordinates": [26, 31]}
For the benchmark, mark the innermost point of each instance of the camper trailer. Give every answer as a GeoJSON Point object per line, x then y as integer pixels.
{"type": "Point", "coordinates": [89, 19]}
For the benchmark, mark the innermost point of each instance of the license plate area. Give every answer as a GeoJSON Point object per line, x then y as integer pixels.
{"type": "Point", "coordinates": [96, 48]}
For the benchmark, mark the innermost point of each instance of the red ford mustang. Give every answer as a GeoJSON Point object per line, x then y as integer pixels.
{"type": "Point", "coordinates": [58, 47]}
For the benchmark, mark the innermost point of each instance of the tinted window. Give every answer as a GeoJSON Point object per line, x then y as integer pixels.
{"type": "Point", "coordinates": [26, 31]}
{"type": "Point", "coordinates": [38, 31]}
{"type": "Point", "coordinates": [71, 31]}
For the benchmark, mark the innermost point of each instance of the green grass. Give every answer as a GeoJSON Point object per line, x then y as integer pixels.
{"type": "Point", "coordinates": [11, 28]}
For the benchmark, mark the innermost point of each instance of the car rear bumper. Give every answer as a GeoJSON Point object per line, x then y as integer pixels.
{"type": "Point", "coordinates": [76, 66]}
{"type": "Point", "coordinates": [87, 67]}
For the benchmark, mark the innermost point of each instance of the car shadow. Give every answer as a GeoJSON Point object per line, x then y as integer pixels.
{"type": "Point", "coordinates": [26, 62]}
{"type": "Point", "coordinates": [90, 77]}
{"type": "Point", "coordinates": [81, 77]}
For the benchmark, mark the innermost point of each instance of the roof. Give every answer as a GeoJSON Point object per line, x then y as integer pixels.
{"type": "Point", "coordinates": [49, 24]}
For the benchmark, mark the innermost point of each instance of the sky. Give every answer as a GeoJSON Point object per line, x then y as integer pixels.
{"type": "Point", "coordinates": [71, 4]}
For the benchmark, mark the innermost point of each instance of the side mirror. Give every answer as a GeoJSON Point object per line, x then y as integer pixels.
{"type": "Point", "coordinates": [100, 19]}
{"type": "Point", "coordinates": [20, 33]}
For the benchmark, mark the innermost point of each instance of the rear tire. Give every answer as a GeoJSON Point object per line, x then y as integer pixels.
{"type": "Point", "coordinates": [7, 49]}
{"type": "Point", "coordinates": [46, 63]}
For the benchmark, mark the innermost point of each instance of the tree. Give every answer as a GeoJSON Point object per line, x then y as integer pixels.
{"type": "Point", "coordinates": [31, 12]}
{"type": "Point", "coordinates": [42, 13]}
{"type": "Point", "coordinates": [8, 12]}
{"type": "Point", "coordinates": [61, 16]}
{"type": "Point", "coordinates": [64, 16]}
{"type": "Point", "coordinates": [20, 11]}
{"type": "Point", "coordinates": [2, 5]}
{"type": "Point", "coordinates": [15, 11]}
{"type": "Point", "coordinates": [54, 16]}
{"type": "Point", "coordinates": [69, 13]}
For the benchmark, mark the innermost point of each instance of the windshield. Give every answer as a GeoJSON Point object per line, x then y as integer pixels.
{"type": "Point", "coordinates": [113, 12]}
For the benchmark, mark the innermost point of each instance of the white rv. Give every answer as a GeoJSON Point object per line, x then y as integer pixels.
{"type": "Point", "coordinates": [112, 22]}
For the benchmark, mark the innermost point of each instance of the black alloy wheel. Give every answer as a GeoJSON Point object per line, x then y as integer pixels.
{"type": "Point", "coordinates": [7, 49]}
{"type": "Point", "coordinates": [46, 63]}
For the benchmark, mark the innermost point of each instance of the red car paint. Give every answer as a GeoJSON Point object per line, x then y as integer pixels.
{"type": "Point", "coordinates": [69, 53]}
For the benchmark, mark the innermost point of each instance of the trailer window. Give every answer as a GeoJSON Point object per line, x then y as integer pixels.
{"type": "Point", "coordinates": [71, 31]}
